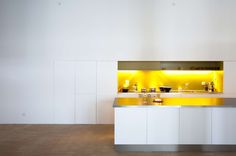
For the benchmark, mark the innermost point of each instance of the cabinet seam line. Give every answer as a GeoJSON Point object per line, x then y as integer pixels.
{"type": "Point", "coordinates": [96, 106]}
{"type": "Point", "coordinates": [53, 90]}
{"type": "Point", "coordinates": [75, 93]}
{"type": "Point", "coordinates": [146, 125]}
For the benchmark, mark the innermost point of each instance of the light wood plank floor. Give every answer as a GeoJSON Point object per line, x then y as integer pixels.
{"type": "Point", "coordinates": [70, 140]}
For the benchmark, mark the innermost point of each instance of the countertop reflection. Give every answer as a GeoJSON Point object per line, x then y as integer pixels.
{"type": "Point", "coordinates": [175, 102]}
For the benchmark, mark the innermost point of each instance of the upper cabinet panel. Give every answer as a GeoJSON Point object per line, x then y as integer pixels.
{"type": "Point", "coordinates": [106, 77]}
{"type": "Point", "coordinates": [229, 79]}
{"type": "Point", "coordinates": [86, 77]}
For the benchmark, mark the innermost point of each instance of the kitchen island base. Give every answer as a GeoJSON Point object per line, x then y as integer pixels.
{"type": "Point", "coordinates": [209, 126]}
{"type": "Point", "coordinates": [176, 148]}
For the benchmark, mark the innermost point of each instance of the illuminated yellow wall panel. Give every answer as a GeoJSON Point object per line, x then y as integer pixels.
{"type": "Point", "coordinates": [185, 80]}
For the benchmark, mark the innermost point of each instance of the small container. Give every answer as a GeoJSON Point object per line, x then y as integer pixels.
{"type": "Point", "coordinates": [165, 88]}
{"type": "Point", "coordinates": [153, 90]}
{"type": "Point", "coordinates": [143, 90]}
{"type": "Point", "coordinates": [157, 100]}
{"type": "Point", "coordinates": [125, 90]}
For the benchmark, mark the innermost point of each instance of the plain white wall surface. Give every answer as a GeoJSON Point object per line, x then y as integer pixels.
{"type": "Point", "coordinates": [34, 34]}
{"type": "Point", "coordinates": [118, 29]}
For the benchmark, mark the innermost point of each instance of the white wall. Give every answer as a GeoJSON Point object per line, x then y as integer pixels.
{"type": "Point", "coordinates": [34, 34]}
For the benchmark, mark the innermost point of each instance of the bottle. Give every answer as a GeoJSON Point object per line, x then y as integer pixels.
{"type": "Point", "coordinates": [135, 87]}
{"type": "Point", "coordinates": [211, 87]}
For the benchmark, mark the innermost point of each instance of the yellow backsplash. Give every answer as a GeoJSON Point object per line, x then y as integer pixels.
{"type": "Point", "coordinates": [184, 79]}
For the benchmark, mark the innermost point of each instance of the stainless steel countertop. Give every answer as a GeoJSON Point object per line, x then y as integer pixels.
{"type": "Point", "coordinates": [176, 92]}
{"type": "Point", "coordinates": [175, 102]}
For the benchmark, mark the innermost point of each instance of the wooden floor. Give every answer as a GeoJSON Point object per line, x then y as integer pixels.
{"type": "Point", "coordinates": [70, 140]}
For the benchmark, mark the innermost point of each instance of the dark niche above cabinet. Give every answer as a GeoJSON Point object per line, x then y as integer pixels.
{"type": "Point", "coordinates": [170, 65]}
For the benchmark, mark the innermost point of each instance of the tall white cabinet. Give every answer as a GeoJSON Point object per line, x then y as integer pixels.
{"type": "Point", "coordinates": [84, 91]}
{"type": "Point", "coordinates": [86, 75]}
{"type": "Point", "coordinates": [106, 91]}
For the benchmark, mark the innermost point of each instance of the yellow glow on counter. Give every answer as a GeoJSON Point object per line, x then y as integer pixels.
{"type": "Point", "coordinates": [170, 102]}
{"type": "Point", "coordinates": [177, 79]}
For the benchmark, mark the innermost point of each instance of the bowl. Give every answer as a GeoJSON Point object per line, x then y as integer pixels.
{"type": "Point", "coordinates": [125, 90]}
{"type": "Point", "coordinates": [165, 88]}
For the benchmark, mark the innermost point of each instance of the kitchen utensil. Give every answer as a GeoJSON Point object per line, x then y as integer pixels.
{"type": "Point", "coordinates": [143, 90]}
{"type": "Point", "coordinates": [152, 90]}
{"type": "Point", "coordinates": [165, 88]}
{"type": "Point", "coordinates": [125, 90]}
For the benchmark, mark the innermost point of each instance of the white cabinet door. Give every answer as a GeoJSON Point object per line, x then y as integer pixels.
{"type": "Point", "coordinates": [229, 79]}
{"type": "Point", "coordinates": [106, 91]}
{"type": "Point", "coordinates": [224, 126]}
{"type": "Point", "coordinates": [86, 109]}
{"type": "Point", "coordinates": [130, 125]}
{"type": "Point", "coordinates": [163, 125]}
{"type": "Point", "coordinates": [64, 92]}
{"type": "Point", "coordinates": [86, 77]}
{"type": "Point", "coordinates": [107, 77]}
{"type": "Point", "coordinates": [195, 126]}
{"type": "Point", "coordinates": [105, 110]}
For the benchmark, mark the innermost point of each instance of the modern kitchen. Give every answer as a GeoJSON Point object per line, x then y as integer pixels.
{"type": "Point", "coordinates": [190, 113]}
{"type": "Point", "coordinates": [118, 77]}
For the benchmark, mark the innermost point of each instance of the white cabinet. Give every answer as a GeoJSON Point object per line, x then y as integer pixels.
{"type": "Point", "coordinates": [130, 125]}
{"type": "Point", "coordinates": [172, 125]}
{"type": "Point", "coordinates": [86, 109]}
{"type": "Point", "coordinates": [163, 125]}
{"type": "Point", "coordinates": [105, 110]}
{"type": "Point", "coordinates": [86, 104]}
{"type": "Point", "coordinates": [224, 126]}
{"type": "Point", "coordinates": [86, 77]}
{"type": "Point", "coordinates": [64, 92]}
{"type": "Point", "coordinates": [84, 91]}
{"type": "Point", "coordinates": [229, 79]}
{"type": "Point", "coordinates": [107, 77]}
{"type": "Point", "coordinates": [195, 125]}
{"type": "Point", "coordinates": [106, 91]}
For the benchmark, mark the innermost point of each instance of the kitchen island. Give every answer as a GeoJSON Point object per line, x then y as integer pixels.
{"type": "Point", "coordinates": [175, 124]}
